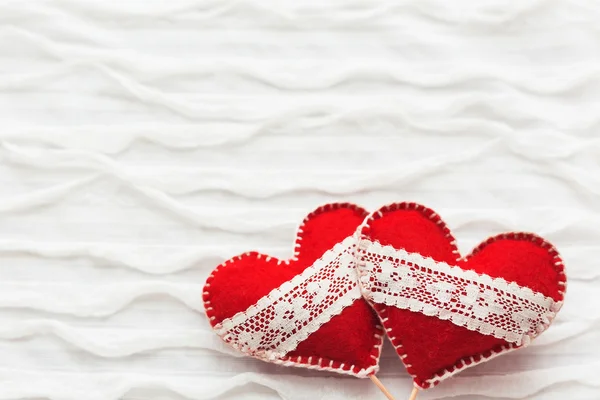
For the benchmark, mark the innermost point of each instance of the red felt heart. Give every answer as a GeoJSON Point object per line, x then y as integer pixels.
{"type": "Point", "coordinates": [433, 348]}
{"type": "Point", "coordinates": [348, 343]}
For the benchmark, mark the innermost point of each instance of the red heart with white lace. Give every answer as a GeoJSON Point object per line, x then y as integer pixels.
{"type": "Point", "coordinates": [307, 311]}
{"type": "Point", "coordinates": [443, 312]}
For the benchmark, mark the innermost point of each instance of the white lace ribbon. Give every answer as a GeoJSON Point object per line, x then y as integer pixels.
{"type": "Point", "coordinates": [491, 306]}
{"type": "Point", "coordinates": [281, 320]}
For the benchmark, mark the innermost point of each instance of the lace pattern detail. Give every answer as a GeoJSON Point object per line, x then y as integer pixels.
{"type": "Point", "coordinates": [491, 306]}
{"type": "Point", "coordinates": [278, 322]}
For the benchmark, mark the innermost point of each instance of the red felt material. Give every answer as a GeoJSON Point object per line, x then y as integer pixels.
{"type": "Point", "coordinates": [431, 347]}
{"type": "Point", "coordinates": [350, 339]}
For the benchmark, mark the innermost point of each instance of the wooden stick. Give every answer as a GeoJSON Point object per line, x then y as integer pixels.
{"type": "Point", "coordinates": [413, 395]}
{"type": "Point", "coordinates": [378, 383]}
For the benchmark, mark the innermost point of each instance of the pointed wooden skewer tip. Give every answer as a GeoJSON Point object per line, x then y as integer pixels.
{"type": "Point", "coordinates": [413, 395]}
{"type": "Point", "coordinates": [378, 383]}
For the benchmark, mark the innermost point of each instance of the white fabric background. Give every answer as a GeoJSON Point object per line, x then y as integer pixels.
{"type": "Point", "coordinates": [143, 142]}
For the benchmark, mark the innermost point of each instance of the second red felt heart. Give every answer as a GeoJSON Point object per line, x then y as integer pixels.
{"type": "Point", "coordinates": [443, 312]}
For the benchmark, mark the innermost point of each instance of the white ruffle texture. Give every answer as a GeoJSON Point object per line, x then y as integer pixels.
{"type": "Point", "coordinates": [145, 142]}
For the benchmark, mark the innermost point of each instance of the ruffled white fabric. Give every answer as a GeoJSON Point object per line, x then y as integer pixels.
{"type": "Point", "coordinates": [143, 142]}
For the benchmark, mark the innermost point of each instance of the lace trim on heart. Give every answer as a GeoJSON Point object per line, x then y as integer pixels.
{"type": "Point", "coordinates": [278, 322]}
{"type": "Point", "coordinates": [491, 306]}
